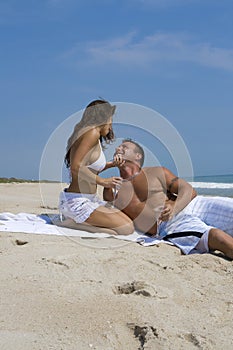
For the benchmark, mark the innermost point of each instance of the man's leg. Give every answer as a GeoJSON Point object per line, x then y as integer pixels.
{"type": "Point", "coordinates": [214, 211]}
{"type": "Point", "coordinates": [219, 240]}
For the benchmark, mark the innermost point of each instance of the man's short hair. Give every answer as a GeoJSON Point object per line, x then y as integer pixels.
{"type": "Point", "coordinates": [138, 149]}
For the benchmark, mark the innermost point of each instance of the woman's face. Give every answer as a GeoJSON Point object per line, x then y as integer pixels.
{"type": "Point", "coordinates": [106, 128]}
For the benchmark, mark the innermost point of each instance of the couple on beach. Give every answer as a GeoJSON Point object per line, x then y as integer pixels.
{"type": "Point", "coordinates": [151, 199]}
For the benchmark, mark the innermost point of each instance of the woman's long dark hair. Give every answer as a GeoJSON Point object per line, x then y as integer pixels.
{"type": "Point", "coordinates": [96, 113]}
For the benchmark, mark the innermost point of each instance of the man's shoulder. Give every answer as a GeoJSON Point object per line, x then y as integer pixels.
{"type": "Point", "coordinates": [153, 169]}
{"type": "Point", "coordinates": [153, 172]}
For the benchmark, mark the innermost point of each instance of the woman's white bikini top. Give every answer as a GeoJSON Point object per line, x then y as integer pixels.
{"type": "Point", "coordinates": [100, 163]}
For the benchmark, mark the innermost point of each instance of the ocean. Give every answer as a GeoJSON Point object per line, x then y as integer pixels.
{"type": "Point", "coordinates": [215, 185]}
{"type": "Point", "coordinates": [218, 185]}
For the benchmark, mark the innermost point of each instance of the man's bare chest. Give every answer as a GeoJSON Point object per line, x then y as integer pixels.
{"type": "Point", "coordinates": [145, 187]}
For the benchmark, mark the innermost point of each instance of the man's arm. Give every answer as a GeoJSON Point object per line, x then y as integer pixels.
{"type": "Point", "coordinates": [107, 194]}
{"type": "Point", "coordinates": [183, 190]}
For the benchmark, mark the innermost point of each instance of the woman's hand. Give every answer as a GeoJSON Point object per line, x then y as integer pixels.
{"type": "Point", "coordinates": [118, 160]}
{"type": "Point", "coordinates": [112, 182]}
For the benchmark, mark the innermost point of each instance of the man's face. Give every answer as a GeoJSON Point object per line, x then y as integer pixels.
{"type": "Point", "coordinates": [127, 151]}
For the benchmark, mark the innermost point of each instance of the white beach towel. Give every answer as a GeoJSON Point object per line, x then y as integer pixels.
{"type": "Point", "coordinates": [42, 224]}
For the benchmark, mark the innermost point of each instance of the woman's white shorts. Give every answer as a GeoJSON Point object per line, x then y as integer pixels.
{"type": "Point", "coordinates": [78, 206]}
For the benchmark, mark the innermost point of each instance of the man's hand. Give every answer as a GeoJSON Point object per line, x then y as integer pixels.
{"type": "Point", "coordinates": [167, 211]}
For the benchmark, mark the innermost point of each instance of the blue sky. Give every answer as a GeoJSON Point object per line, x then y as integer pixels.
{"type": "Point", "coordinates": [172, 56]}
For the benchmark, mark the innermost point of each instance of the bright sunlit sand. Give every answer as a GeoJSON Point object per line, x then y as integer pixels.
{"type": "Point", "coordinates": [62, 293]}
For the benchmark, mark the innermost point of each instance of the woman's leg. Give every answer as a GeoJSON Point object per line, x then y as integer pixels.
{"type": "Point", "coordinates": [111, 219]}
{"type": "Point", "coordinates": [70, 223]}
{"type": "Point", "coordinates": [219, 240]}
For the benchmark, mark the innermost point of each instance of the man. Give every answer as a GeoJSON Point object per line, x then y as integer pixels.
{"type": "Point", "coordinates": [160, 203]}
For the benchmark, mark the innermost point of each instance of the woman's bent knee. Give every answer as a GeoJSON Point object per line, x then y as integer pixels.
{"type": "Point", "coordinates": [125, 229]}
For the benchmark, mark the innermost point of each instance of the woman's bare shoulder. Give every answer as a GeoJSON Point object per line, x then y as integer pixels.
{"type": "Point", "coordinates": [89, 136]}
{"type": "Point", "coordinates": [92, 134]}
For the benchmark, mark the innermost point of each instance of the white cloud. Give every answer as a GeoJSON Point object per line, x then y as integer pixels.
{"type": "Point", "coordinates": [160, 47]}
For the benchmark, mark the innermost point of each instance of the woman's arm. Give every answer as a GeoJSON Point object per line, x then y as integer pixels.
{"type": "Point", "coordinates": [80, 154]}
{"type": "Point", "coordinates": [117, 161]}
{"type": "Point", "coordinates": [109, 165]}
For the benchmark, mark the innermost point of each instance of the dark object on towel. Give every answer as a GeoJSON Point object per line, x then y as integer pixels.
{"type": "Point", "coordinates": [183, 234]}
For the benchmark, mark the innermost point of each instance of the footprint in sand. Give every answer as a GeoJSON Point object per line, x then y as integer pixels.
{"type": "Point", "coordinates": [143, 333]}
{"type": "Point", "coordinates": [135, 287]}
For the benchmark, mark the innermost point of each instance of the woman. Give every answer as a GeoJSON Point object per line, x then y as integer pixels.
{"type": "Point", "coordinates": [86, 160]}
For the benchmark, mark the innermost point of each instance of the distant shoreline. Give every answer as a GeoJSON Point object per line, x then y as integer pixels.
{"type": "Point", "coordinates": [16, 180]}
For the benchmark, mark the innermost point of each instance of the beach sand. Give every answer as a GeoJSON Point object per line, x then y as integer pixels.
{"type": "Point", "coordinates": [76, 294]}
